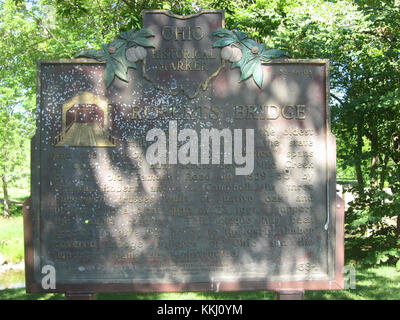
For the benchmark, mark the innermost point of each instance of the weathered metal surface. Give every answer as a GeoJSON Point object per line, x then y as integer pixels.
{"type": "Point", "coordinates": [109, 221]}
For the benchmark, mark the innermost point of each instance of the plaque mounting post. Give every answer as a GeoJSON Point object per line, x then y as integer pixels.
{"type": "Point", "coordinates": [80, 296]}
{"type": "Point", "coordinates": [290, 295]}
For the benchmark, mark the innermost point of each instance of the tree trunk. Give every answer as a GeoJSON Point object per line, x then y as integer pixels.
{"type": "Point", "coordinates": [383, 172]}
{"type": "Point", "coordinates": [5, 194]}
{"type": "Point", "coordinates": [373, 136]}
{"type": "Point", "coordinates": [357, 163]}
{"type": "Point", "coordinates": [360, 179]}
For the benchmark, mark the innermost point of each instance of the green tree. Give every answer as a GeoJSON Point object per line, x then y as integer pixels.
{"type": "Point", "coordinates": [15, 94]}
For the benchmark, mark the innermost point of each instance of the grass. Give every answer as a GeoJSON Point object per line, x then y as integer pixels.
{"type": "Point", "coordinates": [11, 239]}
{"type": "Point", "coordinates": [16, 194]}
{"type": "Point", "coordinates": [377, 283]}
{"type": "Point", "coordinates": [11, 229]}
{"type": "Point", "coordinates": [20, 294]}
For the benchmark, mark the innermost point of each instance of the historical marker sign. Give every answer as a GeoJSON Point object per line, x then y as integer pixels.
{"type": "Point", "coordinates": [183, 158]}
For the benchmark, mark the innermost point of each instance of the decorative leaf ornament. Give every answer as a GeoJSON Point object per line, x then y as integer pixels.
{"type": "Point", "coordinates": [115, 53]}
{"type": "Point", "coordinates": [123, 53]}
{"type": "Point", "coordinates": [253, 54]}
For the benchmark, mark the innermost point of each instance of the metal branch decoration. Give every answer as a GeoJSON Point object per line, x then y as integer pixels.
{"type": "Point", "coordinates": [122, 53]}
{"type": "Point", "coordinates": [245, 53]}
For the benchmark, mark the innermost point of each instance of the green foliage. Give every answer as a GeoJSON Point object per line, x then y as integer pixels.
{"type": "Point", "coordinates": [373, 238]}
{"type": "Point", "coordinates": [114, 54]}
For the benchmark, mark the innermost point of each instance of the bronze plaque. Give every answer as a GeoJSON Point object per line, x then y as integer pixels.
{"type": "Point", "coordinates": [184, 173]}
